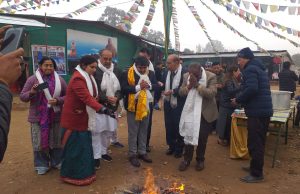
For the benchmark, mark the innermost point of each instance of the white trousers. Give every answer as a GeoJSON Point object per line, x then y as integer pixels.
{"type": "Point", "coordinates": [101, 142]}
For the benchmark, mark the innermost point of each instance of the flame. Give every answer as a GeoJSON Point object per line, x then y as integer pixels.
{"type": "Point", "coordinates": [150, 187]}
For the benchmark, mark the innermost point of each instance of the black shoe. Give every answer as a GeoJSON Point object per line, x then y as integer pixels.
{"type": "Point", "coordinates": [199, 166]}
{"type": "Point", "coordinates": [117, 145]}
{"type": "Point", "coordinates": [246, 168]}
{"type": "Point", "coordinates": [145, 158]}
{"type": "Point", "coordinates": [178, 155]}
{"type": "Point", "coordinates": [134, 161]}
{"type": "Point", "coordinates": [169, 152]}
{"type": "Point", "coordinates": [148, 149]}
{"type": "Point", "coordinates": [106, 158]}
{"type": "Point", "coordinates": [252, 179]}
{"type": "Point", "coordinates": [97, 164]}
{"type": "Point", "coordinates": [184, 165]}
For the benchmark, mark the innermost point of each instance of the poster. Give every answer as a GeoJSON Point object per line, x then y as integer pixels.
{"type": "Point", "coordinates": [55, 52]}
{"type": "Point", "coordinates": [83, 43]}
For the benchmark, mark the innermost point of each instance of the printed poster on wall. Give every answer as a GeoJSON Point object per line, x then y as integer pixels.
{"type": "Point", "coordinates": [55, 52]}
{"type": "Point", "coordinates": [83, 43]}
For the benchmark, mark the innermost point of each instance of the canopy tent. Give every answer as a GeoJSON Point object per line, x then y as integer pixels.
{"type": "Point", "coordinates": [21, 21]}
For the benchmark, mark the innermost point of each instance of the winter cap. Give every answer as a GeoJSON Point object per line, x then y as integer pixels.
{"type": "Point", "coordinates": [245, 53]}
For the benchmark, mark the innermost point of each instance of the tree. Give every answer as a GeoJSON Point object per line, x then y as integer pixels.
{"type": "Point", "coordinates": [112, 16]}
{"type": "Point", "coordinates": [296, 59]}
{"type": "Point", "coordinates": [218, 45]}
{"type": "Point", "coordinates": [188, 51]}
{"type": "Point", "coordinates": [155, 36]}
{"type": "Point", "coordinates": [199, 48]}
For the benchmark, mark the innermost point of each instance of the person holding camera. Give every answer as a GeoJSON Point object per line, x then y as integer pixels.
{"type": "Point", "coordinates": [45, 91]}
{"type": "Point", "coordinates": [78, 120]}
{"type": "Point", "coordinates": [10, 70]}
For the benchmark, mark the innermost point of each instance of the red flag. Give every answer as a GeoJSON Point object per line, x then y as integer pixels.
{"type": "Point", "coordinates": [256, 5]}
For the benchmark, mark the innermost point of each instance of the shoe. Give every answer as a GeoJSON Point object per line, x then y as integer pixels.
{"type": "Point", "coordinates": [184, 165]}
{"type": "Point", "coordinates": [106, 158]}
{"type": "Point", "coordinates": [117, 145]}
{"type": "Point", "coordinates": [169, 152]}
{"type": "Point", "coordinates": [156, 107]}
{"type": "Point", "coordinates": [148, 149]}
{"type": "Point", "coordinates": [199, 166]}
{"type": "Point", "coordinates": [134, 161]}
{"type": "Point", "coordinates": [42, 170]}
{"type": "Point", "coordinates": [178, 155]}
{"type": "Point", "coordinates": [145, 158]}
{"type": "Point", "coordinates": [97, 164]}
{"type": "Point", "coordinates": [223, 142]}
{"type": "Point", "coordinates": [58, 166]}
{"type": "Point", "coordinates": [246, 168]}
{"type": "Point", "coordinates": [252, 179]}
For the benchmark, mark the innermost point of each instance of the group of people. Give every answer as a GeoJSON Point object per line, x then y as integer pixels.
{"type": "Point", "coordinates": [73, 125]}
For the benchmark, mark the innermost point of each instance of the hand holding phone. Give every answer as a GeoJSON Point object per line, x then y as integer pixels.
{"type": "Point", "coordinates": [12, 40]}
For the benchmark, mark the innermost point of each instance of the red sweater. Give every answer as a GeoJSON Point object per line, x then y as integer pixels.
{"type": "Point", "coordinates": [74, 115]}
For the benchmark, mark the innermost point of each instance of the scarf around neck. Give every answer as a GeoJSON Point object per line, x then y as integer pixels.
{"type": "Point", "coordinates": [110, 82]}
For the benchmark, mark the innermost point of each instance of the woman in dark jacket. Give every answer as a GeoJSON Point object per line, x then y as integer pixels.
{"type": "Point", "coordinates": [229, 91]}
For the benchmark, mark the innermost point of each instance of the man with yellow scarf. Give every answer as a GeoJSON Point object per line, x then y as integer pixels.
{"type": "Point", "coordinates": [136, 85]}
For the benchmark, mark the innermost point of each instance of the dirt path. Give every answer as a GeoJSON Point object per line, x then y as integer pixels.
{"type": "Point", "coordinates": [219, 176]}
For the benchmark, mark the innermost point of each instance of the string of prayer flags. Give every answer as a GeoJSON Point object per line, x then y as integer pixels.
{"type": "Point", "coordinates": [200, 22]}
{"type": "Point", "coordinates": [131, 16]}
{"type": "Point", "coordinates": [233, 29]}
{"type": "Point", "coordinates": [85, 8]}
{"type": "Point", "coordinates": [149, 17]}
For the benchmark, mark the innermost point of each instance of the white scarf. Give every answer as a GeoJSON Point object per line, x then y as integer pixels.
{"type": "Point", "coordinates": [190, 120]}
{"type": "Point", "coordinates": [110, 82]}
{"type": "Point", "coordinates": [175, 84]}
{"type": "Point", "coordinates": [91, 112]}
{"type": "Point", "coordinates": [151, 66]}
{"type": "Point", "coordinates": [146, 79]}
{"type": "Point", "coordinates": [57, 89]}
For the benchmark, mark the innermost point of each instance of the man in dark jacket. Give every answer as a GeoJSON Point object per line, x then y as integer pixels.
{"type": "Point", "coordinates": [137, 84]}
{"type": "Point", "coordinates": [287, 79]}
{"type": "Point", "coordinates": [255, 97]}
{"type": "Point", "coordinates": [10, 70]}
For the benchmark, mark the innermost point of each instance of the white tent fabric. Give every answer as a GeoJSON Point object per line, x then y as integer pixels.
{"type": "Point", "coordinates": [20, 21]}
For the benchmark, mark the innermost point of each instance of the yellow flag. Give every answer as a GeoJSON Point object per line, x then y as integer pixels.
{"type": "Point", "coordinates": [253, 17]}
{"type": "Point", "coordinates": [274, 8]}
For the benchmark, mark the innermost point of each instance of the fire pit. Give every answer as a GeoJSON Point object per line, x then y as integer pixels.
{"type": "Point", "coordinates": [151, 188]}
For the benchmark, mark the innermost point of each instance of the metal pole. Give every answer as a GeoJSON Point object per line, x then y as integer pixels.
{"type": "Point", "coordinates": [46, 34]}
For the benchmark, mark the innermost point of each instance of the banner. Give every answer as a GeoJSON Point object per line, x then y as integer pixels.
{"type": "Point", "coordinates": [57, 53]}
{"type": "Point", "coordinates": [83, 43]}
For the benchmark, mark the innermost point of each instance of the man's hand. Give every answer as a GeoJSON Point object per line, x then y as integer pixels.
{"type": "Point", "coordinates": [233, 102]}
{"type": "Point", "coordinates": [160, 84]}
{"type": "Point", "coordinates": [112, 100]}
{"type": "Point", "coordinates": [52, 102]}
{"type": "Point", "coordinates": [144, 85]}
{"type": "Point", "coordinates": [10, 68]}
{"type": "Point", "coordinates": [168, 93]}
{"type": "Point", "coordinates": [219, 86]}
{"type": "Point", "coordinates": [193, 81]}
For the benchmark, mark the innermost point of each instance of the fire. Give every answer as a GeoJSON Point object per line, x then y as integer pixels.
{"type": "Point", "coordinates": [151, 188]}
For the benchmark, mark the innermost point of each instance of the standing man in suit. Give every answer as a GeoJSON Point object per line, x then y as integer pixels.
{"type": "Point", "coordinates": [107, 77]}
{"type": "Point", "coordinates": [137, 84]}
{"type": "Point", "coordinates": [199, 111]}
{"type": "Point", "coordinates": [173, 105]}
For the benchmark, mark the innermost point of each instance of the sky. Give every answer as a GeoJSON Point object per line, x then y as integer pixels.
{"type": "Point", "coordinates": [190, 32]}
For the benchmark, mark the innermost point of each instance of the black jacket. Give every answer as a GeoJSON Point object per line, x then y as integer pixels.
{"type": "Point", "coordinates": [287, 80]}
{"type": "Point", "coordinates": [180, 99]}
{"type": "Point", "coordinates": [255, 95]}
{"type": "Point", "coordinates": [229, 91]}
{"type": "Point", "coordinates": [5, 109]}
{"type": "Point", "coordinates": [128, 89]}
{"type": "Point", "coordinates": [102, 94]}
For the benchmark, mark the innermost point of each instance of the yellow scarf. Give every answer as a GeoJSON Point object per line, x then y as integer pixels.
{"type": "Point", "coordinates": [141, 110]}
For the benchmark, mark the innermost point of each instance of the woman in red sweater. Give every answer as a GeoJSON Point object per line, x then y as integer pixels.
{"type": "Point", "coordinates": [78, 119]}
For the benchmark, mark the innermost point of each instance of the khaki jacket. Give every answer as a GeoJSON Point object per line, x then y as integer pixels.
{"type": "Point", "coordinates": [209, 106]}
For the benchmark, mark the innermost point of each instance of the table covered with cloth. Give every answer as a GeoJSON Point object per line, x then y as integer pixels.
{"type": "Point", "coordinates": [239, 133]}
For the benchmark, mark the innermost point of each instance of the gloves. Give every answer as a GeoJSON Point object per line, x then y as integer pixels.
{"type": "Point", "coordinates": [107, 111]}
